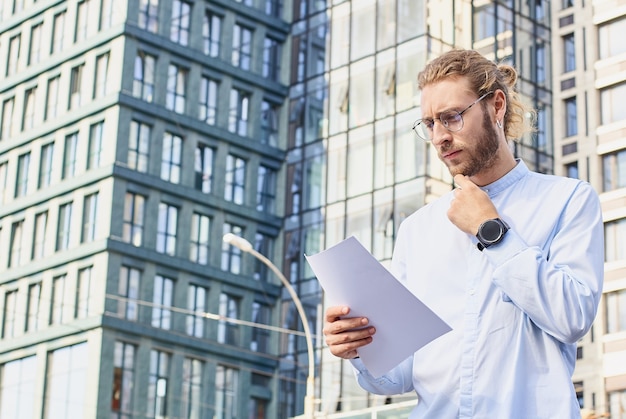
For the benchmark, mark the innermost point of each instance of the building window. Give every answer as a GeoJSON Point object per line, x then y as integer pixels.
{"type": "Point", "coordinates": [239, 112]}
{"type": "Point", "coordinates": [578, 387]}
{"type": "Point", "coordinates": [66, 382]}
{"type": "Point", "coordinates": [265, 246]}
{"type": "Point", "coordinates": [171, 157]}
{"type": "Point", "coordinates": [227, 332]}
{"type": "Point", "coordinates": [175, 95]}
{"type": "Point", "coordinates": [615, 311]}
{"type": "Point", "coordinates": [614, 170]}
{"type": "Point", "coordinates": [226, 391]}
{"type": "Point", "coordinates": [4, 190]}
{"type": "Point", "coordinates": [149, 15]}
{"type": "Point", "coordinates": [70, 156]}
{"type": "Point", "coordinates": [196, 304]}
{"type": "Point", "coordinates": [211, 29]}
{"type": "Point", "coordinates": [128, 290]}
{"type": "Point", "coordinates": [83, 293]}
{"type": "Point", "coordinates": [33, 308]}
{"type": "Point", "coordinates": [163, 298]}
{"type": "Point", "coordinates": [64, 227]}
{"type": "Point", "coordinates": [571, 117]}
{"type": "Point", "coordinates": [261, 313]}
{"type": "Point", "coordinates": [52, 98]}
{"type": "Point", "coordinates": [274, 8]}
{"type": "Point", "coordinates": [181, 11]}
{"type": "Point", "coordinates": [610, 38]}
{"type": "Point", "coordinates": [272, 51]}
{"type": "Point", "coordinates": [82, 20]}
{"type": "Point", "coordinates": [166, 229]}
{"type": "Point", "coordinates": [138, 146]}
{"type": "Point", "coordinates": [57, 304]}
{"type": "Point", "coordinates": [96, 141]}
{"type": "Point", "coordinates": [21, 181]}
{"type": "Point", "coordinates": [266, 190]}
{"type": "Point", "coordinates": [611, 100]}
{"type": "Point", "coordinates": [90, 218]}
{"type": "Point", "coordinates": [231, 255]}
{"type": "Point", "coordinates": [541, 131]}
{"type": "Point", "coordinates": [75, 87]}
{"type": "Point", "coordinates": [45, 165]}
{"type": "Point", "coordinates": [157, 384]}
{"type": "Point", "coordinates": [13, 56]}
{"type": "Point", "coordinates": [134, 209]}
{"type": "Point", "coordinates": [617, 403]}
{"type": "Point", "coordinates": [17, 242]}
{"type": "Point", "coordinates": [9, 322]}
{"type": "Point", "coordinates": [123, 380]}
{"type": "Point", "coordinates": [567, 3]}
{"type": "Point", "coordinates": [242, 47]}
{"type": "Point", "coordinates": [572, 170]}
{"type": "Point", "coordinates": [615, 240]}
{"type": "Point", "coordinates": [58, 33]}
{"type": "Point", "coordinates": [7, 129]}
{"type": "Point", "coordinates": [102, 70]}
{"type": "Point", "coordinates": [257, 408]}
{"type": "Point", "coordinates": [106, 14]}
{"type": "Point", "coordinates": [30, 98]}
{"type": "Point", "coordinates": [269, 123]}
{"type": "Point", "coordinates": [192, 397]}
{"type": "Point", "coordinates": [208, 100]}
{"type": "Point", "coordinates": [204, 161]}
{"type": "Point", "coordinates": [200, 232]}
{"type": "Point", "coordinates": [143, 76]}
{"type": "Point", "coordinates": [484, 22]}
{"type": "Point", "coordinates": [234, 190]}
{"type": "Point", "coordinates": [34, 55]}
{"type": "Point", "coordinates": [18, 388]}
{"type": "Point", "coordinates": [569, 53]}
{"type": "Point", "coordinates": [39, 236]}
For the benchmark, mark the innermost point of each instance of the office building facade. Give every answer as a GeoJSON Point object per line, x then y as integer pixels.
{"type": "Point", "coordinates": [133, 135]}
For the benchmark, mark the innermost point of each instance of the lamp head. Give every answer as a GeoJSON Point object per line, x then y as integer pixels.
{"type": "Point", "coordinates": [237, 241]}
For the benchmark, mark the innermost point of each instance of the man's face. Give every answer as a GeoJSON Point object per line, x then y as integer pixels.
{"type": "Point", "coordinates": [474, 148]}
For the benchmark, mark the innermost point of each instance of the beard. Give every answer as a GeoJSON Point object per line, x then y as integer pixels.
{"type": "Point", "coordinates": [482, 154]}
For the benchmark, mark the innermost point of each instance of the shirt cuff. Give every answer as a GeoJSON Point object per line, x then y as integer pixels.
{"type": "Point", "coordinates": [511, 245]}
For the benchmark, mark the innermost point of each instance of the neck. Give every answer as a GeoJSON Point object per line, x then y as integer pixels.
{"type": "Point", "coordinates": [503, 166]}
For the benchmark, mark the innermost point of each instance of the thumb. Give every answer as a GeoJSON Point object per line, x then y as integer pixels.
{"type": "Point", "coordinates": [462, 181]}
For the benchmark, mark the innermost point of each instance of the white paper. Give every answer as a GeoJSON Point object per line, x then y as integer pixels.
{"type": "Point", "coordinates": [351, 276]}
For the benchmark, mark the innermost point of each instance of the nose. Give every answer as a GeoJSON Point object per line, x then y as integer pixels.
{"type": "Point", "coordinates": [440, 134]}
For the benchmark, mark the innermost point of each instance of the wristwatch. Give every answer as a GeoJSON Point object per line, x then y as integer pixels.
{"type": "Point", "coordinates": [491, 232]}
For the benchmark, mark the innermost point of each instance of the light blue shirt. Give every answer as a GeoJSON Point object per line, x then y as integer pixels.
{"type": "Point", "coordinates": [517, 309]}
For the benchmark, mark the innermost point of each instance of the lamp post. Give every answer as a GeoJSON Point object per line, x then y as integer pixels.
{"type": "Point", "coordinates": [245, 246]}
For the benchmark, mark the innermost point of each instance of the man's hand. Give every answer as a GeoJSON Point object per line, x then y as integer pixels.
{"type": "Point", "coordinates": [470, 207]}
{"type": "Point", "coordinates": [345, 336]}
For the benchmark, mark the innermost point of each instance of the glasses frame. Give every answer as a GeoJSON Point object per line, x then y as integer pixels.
{"type": "Point", "coordinates": [444, 123]}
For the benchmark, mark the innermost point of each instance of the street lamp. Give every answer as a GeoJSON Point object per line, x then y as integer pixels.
{"type": "Point", "coordinates": [245, 246]}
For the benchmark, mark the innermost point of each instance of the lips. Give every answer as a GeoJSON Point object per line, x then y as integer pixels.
{"type": "Point", "coordinates": [450, 154]}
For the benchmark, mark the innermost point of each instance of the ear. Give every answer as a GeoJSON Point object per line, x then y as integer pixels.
{"type": "Point", "coordinates": [499, 104]}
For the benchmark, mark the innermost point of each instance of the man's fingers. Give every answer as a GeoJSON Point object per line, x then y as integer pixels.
{"type": "Point", "coordinates": [335, 312]}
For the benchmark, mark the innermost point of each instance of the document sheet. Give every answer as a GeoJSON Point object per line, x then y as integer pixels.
{"type": "Point", "coordinates": [351, 276]}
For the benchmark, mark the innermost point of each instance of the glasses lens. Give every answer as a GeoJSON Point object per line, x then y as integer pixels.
{"type": "Point", "coordinates": [421, 129]}
{"type": "Point", "coordinates": [453, 121]}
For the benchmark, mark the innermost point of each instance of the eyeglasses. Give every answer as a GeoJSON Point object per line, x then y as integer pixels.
{"type": "Point", "coordinates": [451, 120]}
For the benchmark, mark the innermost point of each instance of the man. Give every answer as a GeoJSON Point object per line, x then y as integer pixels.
{"type": "Point", "coordinates": [512, 260]}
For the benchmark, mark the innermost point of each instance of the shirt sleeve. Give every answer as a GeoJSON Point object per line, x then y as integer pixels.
{"type": "Point", "coordinates": [557, 286]}
{"type": "Point", "coordinates": [396, 381]}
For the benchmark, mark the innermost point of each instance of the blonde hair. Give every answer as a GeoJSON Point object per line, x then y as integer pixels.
{"type": "Point", "coordinates": [484, 76]}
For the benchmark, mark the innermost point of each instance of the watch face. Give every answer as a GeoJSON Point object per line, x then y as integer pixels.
{"type": "Point", "coordinates": [491, 231]}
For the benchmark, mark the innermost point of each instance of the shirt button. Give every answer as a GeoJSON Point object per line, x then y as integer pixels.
{"type": "Point", "coordinates": [471, 291]}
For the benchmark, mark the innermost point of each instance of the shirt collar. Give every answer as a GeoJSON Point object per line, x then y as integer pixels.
{"type": "Point", "coordinates": [519, 171]}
